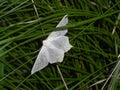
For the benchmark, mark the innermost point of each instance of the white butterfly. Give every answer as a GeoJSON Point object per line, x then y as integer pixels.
{"type": "Point", "coordinates": [53, 48]}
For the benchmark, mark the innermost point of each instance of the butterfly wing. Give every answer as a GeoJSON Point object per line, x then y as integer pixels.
{"type": "Point", "coordinates": [41, 60]}
{"type": "Point", "coordinates": [55, 55]}
{"type": "Point", "coordinates": [62, 43]}
{"type": "Point", "coordinates": [63, 22]}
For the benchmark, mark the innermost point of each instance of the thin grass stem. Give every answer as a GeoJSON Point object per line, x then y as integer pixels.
{"type": "Point", "coordinates": [62, 77]}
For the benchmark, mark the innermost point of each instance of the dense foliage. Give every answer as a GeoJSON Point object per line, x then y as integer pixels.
{"type": "Point", "coordinates": [93, 31]}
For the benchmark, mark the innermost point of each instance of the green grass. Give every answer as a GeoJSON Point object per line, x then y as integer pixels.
{"type": "Point", "coordinates": [93, 56]}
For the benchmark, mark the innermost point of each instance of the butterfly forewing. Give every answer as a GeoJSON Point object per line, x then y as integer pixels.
{"type": "Point", "coordinates": [41, 61]}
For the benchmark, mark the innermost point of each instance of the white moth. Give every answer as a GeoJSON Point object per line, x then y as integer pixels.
{"type": "Point", "coordinates": [53, 48]}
